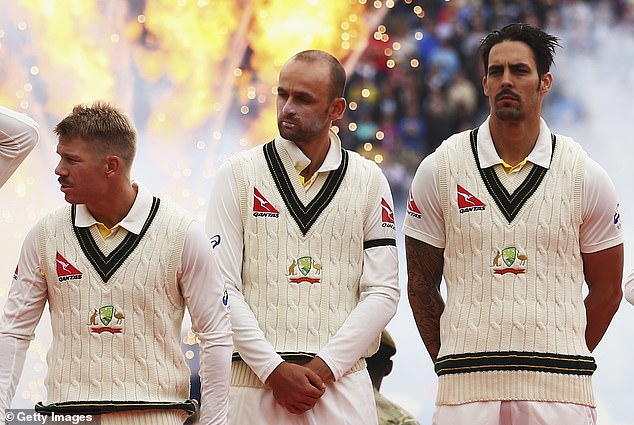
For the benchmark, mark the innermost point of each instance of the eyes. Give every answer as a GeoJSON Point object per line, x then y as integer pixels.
{"type": "Point", "coordinates": [299, 97]}
{"type": "Point", "coordinates": [519, 69]}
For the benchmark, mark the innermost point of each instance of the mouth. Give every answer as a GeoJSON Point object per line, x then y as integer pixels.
{"type": "Point", "coordinates": [288, 124]}
{"type": "Point", "coordinates": [506, 97]}
{"type": "Point", "coordinates": [63, 186]}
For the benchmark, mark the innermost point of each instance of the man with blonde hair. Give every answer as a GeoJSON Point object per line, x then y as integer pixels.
{"type": "Point", "coordinates": [117, 267]}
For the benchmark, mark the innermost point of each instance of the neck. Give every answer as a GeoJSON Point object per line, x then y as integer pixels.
{"type": "Point", "coordinates": [513, 141]}
{"type": "Point", "coordinates": [316, 151]}
{"type": "Point", "coordinates": [114, 206]}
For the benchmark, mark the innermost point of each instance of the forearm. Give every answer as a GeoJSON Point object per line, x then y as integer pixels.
{"type": "Point", "coordinates": [424, 271]}
{"type": "Point", "coordinates": [249, 339]}
{"type": "Point", "coordinates": [13, 353]}
{"type": "Point", "coordinates": [379, 296]}
{"type": "Point", "coordinates": [600, 309]}
{"type": "Point", "coordinates": [215, 375]}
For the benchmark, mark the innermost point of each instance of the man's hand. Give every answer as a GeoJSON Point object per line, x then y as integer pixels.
{"type": "Point", "coordinates": [320, 367]}
{"type": "Point", "coordinates": [296, 387]}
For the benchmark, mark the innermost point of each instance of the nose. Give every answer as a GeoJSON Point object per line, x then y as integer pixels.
{"type": "Point", "coordinates": [506, 78]}
{"type": "Point", "coordinates": [288, 108]}
{"type": "Point", "coordinates": [59, 170]}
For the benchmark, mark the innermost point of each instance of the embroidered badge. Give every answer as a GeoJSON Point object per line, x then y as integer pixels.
{"type": "Point", "coordinates": [304, 269]}
{"type": "Point", "coordinates": [65, 270]}
{"type": "Point", "coordinates": [106, 319]}
{"type": "Point", "coordinates": [509, 260]}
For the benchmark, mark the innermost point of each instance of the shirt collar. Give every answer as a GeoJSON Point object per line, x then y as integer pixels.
{"type": "Point", "coordinates": [540, 155]}
{"type": "Point", "coordinates": [133, 222]}
{"type": "Point", "coordinates": [301, 161]}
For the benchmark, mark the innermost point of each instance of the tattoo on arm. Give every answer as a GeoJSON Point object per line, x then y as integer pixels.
{"type": "Point", "coordinates": [424, 274]}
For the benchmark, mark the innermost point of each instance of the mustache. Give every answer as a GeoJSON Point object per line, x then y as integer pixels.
{"type": "Point", "coordinates": [63, 182]}
{"type": "Point", "coordinates": [507, 92]}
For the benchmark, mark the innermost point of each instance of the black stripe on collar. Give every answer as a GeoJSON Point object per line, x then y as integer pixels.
{"type": "Point", "coordinates": [107, 265]}
{"type": "Point", "coordinates": [304, 215]}
{"type": "Point", "coordinates": [510, 205]}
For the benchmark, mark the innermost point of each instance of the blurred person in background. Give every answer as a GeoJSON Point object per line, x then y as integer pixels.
{"type": "Point", "coordinates": [379, 366]}
{"type": "Point", "coordinates": [515, 218]}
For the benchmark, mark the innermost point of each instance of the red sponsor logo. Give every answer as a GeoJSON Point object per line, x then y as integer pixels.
{"type": "Point", "coordinates": [467, 202]}
{"type": "Point", "coordinates": [412, 208]}
{"type": "Point", "coordinates": [387, 214]}
{"type": "Point", "coordinates": [262, 207]}
{"type": "Point", "coordinates": [65, 270]}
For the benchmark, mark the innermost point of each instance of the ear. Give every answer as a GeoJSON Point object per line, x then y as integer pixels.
{"type": "Point", "coordinates": [388, 367]}
{"type": "Point", "coordinates": [112, 165]}
{"type": "Point", "coordinates": [337, 108]}
{"type": "Point", "coordinates": [546, 83]}
{"type": "Point", "coordinates": [484, 85]}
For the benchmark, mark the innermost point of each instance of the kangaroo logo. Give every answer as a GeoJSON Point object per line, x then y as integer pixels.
{"type": "Point", "coordinates": [65, 270]}
{"type": "Point", "coordinates": [468, 202]}
{"type": "Point", "coordinates": [262, 207]}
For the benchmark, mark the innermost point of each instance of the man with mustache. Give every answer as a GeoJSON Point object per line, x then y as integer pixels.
{"type": "Point", "coordinates": [18, 136]}
{"type": "Point", "coordinates": [515, 218]}
{"type": "Point", "coordinates": [117, 267]}
{"type": "Point", "coordinates": [308, 249]}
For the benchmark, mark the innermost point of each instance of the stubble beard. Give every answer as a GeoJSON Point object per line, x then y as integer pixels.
{"type": "Point", "coordinates": [509, 114]}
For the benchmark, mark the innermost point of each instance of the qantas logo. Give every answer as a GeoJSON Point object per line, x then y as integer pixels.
{"type": "Point", "coordinates": [262, 207]}
{"type": "Point", "coordinates": [412, 208]}
{"type": "Point", "coordinates": [387, 215]}
{"type": "Point", "coordinates": [467, 202]}
{"type": "Point", "coordinates": [65, 270]}
{"type": "Point", "coordinates": [15, 273]}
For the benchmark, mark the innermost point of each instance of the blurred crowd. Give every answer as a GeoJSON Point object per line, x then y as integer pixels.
{"type": "Point", "coordinates": [419, 80]}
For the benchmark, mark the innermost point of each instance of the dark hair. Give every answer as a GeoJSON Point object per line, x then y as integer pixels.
{"type": "Point", "coordinates": [541, 43]}
{"type": "Point", "coordinates": [337, 71]}
{"type": "Point", "coordinates": [103, 126]}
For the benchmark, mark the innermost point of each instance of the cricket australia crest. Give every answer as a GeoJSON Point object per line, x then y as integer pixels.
{"type": "Point", "coordinates": [106, 319]}
{"type": "Point", "coordinates": [509, 260]}
{"type": "Point", "coordinates": [304, 269]}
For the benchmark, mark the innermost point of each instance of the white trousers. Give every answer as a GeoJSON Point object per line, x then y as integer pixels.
{"type": "Point", "coordinates": [515, 413]}
{"type": "Point", "coordinates": [349, 401]}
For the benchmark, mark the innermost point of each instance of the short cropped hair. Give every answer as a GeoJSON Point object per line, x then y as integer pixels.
{"type": "Point", "coordinates": [337, 71]}
{"type": "Point", "coordinates": [541, 43]}
{"type": "Point", "coordinates": [102, 126]}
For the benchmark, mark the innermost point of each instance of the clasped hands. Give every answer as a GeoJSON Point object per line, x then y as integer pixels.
{"type": "Point", "coordinates": [298, 387]}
